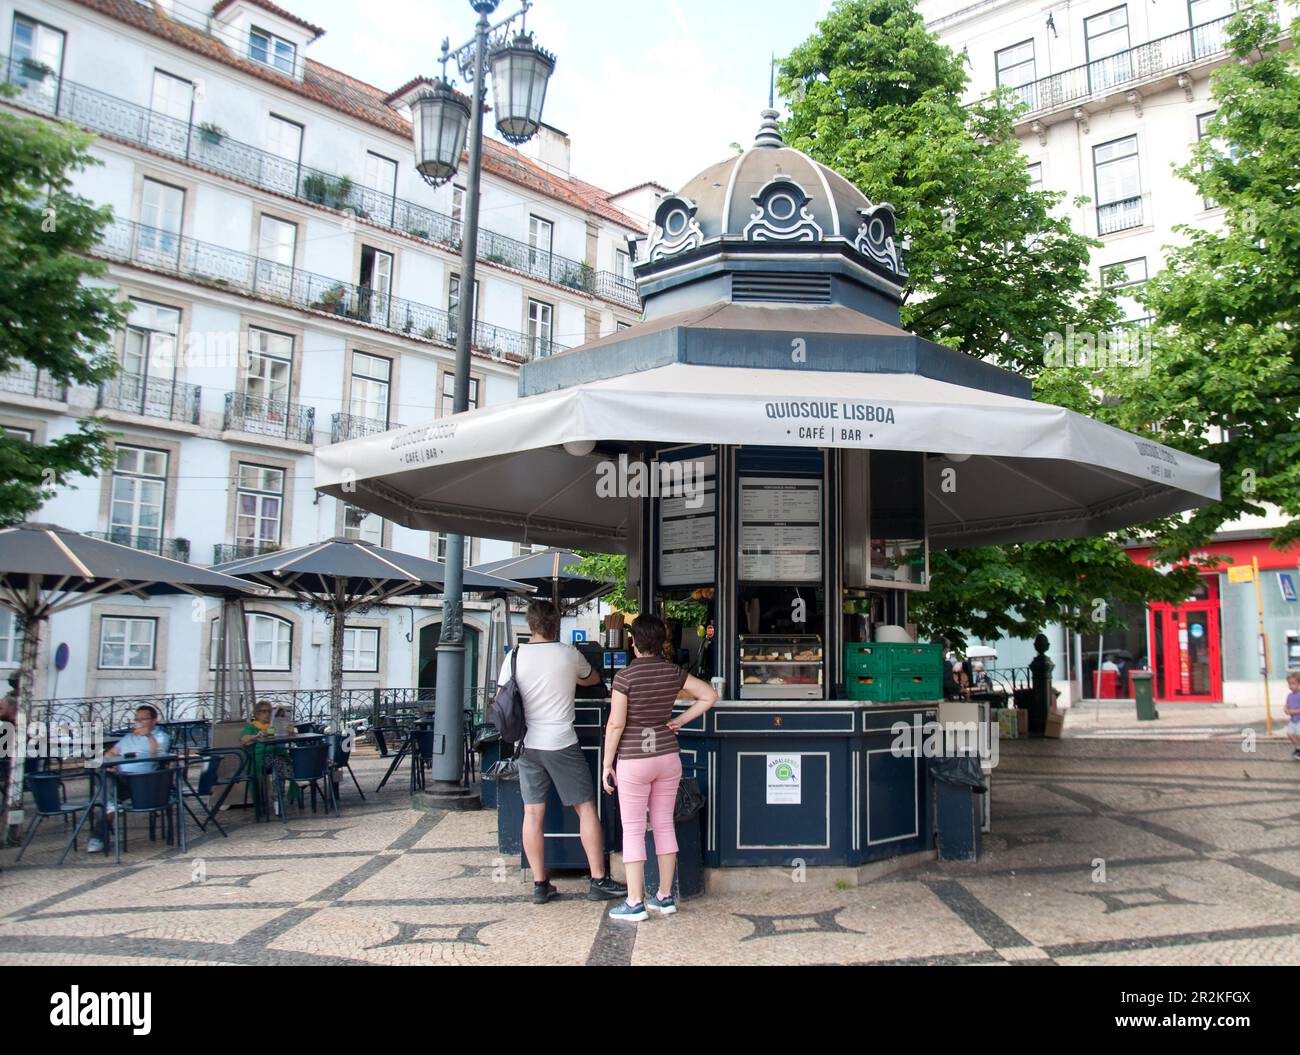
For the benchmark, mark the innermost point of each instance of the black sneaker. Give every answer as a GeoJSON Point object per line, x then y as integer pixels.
{"type": "Point", "coordinates": [606, 889]}
{"type": "Point", "coordinates": [544, 892]}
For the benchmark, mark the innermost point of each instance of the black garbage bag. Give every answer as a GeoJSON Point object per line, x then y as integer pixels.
{"type": "Point", "coordinates": [690, 800]}
{"type": "Point", "coordinates": [962, 771]}
{"type": "Point", "coordinates": [504, 770]}
{"type": "Point", "coordinates": [484, 735]}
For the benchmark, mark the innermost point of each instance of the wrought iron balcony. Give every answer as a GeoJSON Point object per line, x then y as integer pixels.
{"type": "Point", "coordinates": [1103, 76]}
{"type": "Point", "coordinates": [616, 288]}
{"type": "Point", "coordinates": [26, 380]}
{"type": "Point", "coordinates": [211, 149]}
{"type": "Point", "coordinates": [173, 548]}
{"type": "Point", "coordinates": [151, 397]}
{"type": "Point", "coordinates": [270, 417]}
{"type": "Point", "coordinates": [132, 243]}
{"type": "Point", "coordinates": [352, 427]}
{"type": "Point", "coordinates": [223, 553]}
{"type": "Point", "coordinates": [1119, 215]}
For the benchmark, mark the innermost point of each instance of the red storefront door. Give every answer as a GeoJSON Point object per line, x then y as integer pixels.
{"type": "Point", "coordinates": [1185, 639]}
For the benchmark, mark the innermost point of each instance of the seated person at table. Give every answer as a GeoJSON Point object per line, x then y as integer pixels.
{"type": "Point", "coordinates": [983, 683]}
{"type": "Point", "coordinates": [268, 756]}
{"type": "Point", "coordinates": [143, 741]}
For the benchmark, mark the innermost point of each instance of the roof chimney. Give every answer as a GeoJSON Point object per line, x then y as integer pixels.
{"type": "Point", "coordinates": [550, 148]}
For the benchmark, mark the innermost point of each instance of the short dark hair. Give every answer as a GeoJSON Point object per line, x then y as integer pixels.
{"type": "Point", "coordinates": [544, 620]}
{"type": "Point", "coordinates": [649, 633]}
{"type": "Point", "coordinates": [150, 708]}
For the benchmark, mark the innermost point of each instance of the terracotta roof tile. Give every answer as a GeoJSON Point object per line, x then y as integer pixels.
{"type": "Point", "coordinates": [288, 16]}
{"type": "Point", "coordinates": [365, 102]}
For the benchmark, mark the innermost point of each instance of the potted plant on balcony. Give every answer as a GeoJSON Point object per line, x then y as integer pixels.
{"type": "Point", "coordinates": [181, 549]}
{"type": "Point", "coordinates": [315, 188]}
{"type": "Point", "coordinates": [340, 191]}
{"type": "Point", "coordinates": [211, 134]}
{"type": "Point", "coordinates": [573, 278]}
{"type": "Point", "coordinates": [34, 69]}
{"type": "Point", "coordinates": [332, 300]}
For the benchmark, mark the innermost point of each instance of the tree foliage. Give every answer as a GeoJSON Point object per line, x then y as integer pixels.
{"type": "Point", "coordinates": [51, 320]}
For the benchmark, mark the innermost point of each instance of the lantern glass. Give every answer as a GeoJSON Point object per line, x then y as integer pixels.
{"type": "Point", "coordinates": [520, 73]}
{"type": "Point", "coordinates": [439, 123]}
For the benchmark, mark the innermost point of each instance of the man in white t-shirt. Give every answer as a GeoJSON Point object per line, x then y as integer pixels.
{"type": "Point", "coordinates": [548, 673]}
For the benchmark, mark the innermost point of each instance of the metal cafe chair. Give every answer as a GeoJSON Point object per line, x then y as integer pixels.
{"type": "Point", "coordinates": [309, 767]}
{"type": "Point", "coordinates": [210, 779]}
{"type": "Point", "coordinates": [340, 758]}
{"type": "Point", "coordinates": [422, 742]}
{"type": "Point", "coordinates": [50, 798]}
{"type": "Point", "coordinates": [154, 793]}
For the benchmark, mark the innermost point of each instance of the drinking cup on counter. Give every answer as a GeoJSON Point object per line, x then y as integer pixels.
{"type": "Point", "coordinates": [719, 686]}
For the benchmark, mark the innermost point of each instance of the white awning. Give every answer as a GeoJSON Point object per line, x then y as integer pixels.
{"type": "Point", "coordinates": [1023, 470]}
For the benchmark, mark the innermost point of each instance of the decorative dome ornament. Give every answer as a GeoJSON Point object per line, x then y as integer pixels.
{"type": "Point", "coordinates": [877, 238]}
{"type": "Point", "coordinates": [675, 228]}
{"type": "Point", "coordinates": [783, 214]}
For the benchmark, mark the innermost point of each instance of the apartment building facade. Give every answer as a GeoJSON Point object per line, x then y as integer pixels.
{"type": "Point", "coordinates": [1116, 95]}
{"type": "Point", "coordinates": [291, 282]}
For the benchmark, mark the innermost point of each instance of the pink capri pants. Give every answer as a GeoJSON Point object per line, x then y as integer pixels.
{"type": "Point", "coordinates": [651, 781]}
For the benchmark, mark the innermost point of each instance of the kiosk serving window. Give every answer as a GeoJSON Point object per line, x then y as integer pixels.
{"type": "Point", "coordinates": [781, 600]}
{"type": "Point", "coordinates": [898, 554]}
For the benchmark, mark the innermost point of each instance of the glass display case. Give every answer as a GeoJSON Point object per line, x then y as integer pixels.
{"type": "Point", "coordinates": [781, 667]}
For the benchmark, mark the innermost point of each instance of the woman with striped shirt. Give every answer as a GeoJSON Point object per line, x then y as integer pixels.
{"type": "Point", "coordinates": [642, 736]}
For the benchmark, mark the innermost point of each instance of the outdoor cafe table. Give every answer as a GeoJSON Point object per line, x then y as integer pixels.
{"type": "Point", "coordinates": [262, 801]}
{"type": "Point", "coordinates": [99, 797]}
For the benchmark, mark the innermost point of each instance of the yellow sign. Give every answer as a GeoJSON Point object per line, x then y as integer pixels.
{"type": "Point", "coordinates": [1244, 573]}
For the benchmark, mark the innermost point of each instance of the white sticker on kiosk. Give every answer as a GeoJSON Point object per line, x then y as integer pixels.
{"type": "Point", "coordinates": [784, 780]}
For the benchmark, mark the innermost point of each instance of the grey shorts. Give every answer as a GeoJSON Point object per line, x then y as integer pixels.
{"type": "Point", "coordinates": [566, 768]}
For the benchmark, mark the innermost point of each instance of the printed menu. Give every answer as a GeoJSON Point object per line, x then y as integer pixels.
{"type": "Point", "coordinates": [687, 525]}
{"type": "Point", "coordinates": [780, 530]}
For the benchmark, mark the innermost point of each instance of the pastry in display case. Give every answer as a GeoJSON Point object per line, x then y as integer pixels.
{"type": "Point", "coordinates": [780, 667]}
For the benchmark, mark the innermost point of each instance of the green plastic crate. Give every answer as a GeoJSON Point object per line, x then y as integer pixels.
{"type": "Point", "coordinates": [866, 657]}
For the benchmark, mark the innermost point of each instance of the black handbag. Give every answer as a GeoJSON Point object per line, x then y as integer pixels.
{"type": "Point", "coordinates": [690, 800]}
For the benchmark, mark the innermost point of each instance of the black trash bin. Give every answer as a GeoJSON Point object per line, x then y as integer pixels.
{"type": "Point", "coordinates": [1036, 704]}
{"type": "Point", "coordinates": [956, 812]}
{"type": "Point", "coordinates": [688, 821]}
{"type": "Point", "coordinates": [504, 778]}
{"type": "Point", "coordinates": [487, 742]}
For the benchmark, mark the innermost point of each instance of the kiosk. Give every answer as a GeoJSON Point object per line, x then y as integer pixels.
{"type": "Point", "coordinates": [769, 447]}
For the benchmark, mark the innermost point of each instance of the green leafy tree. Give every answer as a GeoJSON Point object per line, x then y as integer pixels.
{"type": "Point", "coordinates": [51, 319]}
{"type": "Point", "coordinates": [993, 272]}
{"type": "Point", "coordinates": [1226, 306]}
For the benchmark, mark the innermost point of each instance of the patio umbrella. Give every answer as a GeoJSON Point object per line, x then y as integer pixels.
{"type": "Point", "coordinates": [981, 652]}
{"type": "Point", "coordinates": [551, 573]}
{"type": "Point", "coordinates": [341, 576]}
{"type": "Point", "coordinates": [45, 569]}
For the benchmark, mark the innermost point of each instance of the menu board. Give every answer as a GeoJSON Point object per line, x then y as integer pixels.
{"type": "Point", "coordinates": [688, 504]}
{"type": "Point", "coordinates": [780, 529]}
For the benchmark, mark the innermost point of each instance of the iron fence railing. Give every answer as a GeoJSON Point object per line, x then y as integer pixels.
{"type": "Point", "coordinates": [270, 417]}
{"type": "Point", "coordinates": [353, 427]}
{"type": "Point", "coordinates": [374, 707]}
{"type": "Point", "coordinates": [1119, 215]}
{"type": "Point", "coordinates": [224, 552]}
{"type": "Point", "coordinates": [129, 242]}
{"type": "Point", "coordinates": [151, 397]}
{"type": "Point", "coordinates": [173, 548]}
{"type": "Point", "coordinates": [26, 380]}
{"type": "Point", "coordinates": [1155, 57]}
{"type": "Point", "coordinates": [211, 148]}
{"type": "Point", "coordinates": [616, 288]}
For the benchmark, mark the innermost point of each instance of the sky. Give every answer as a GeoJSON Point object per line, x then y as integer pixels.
{"type": "Point", "coordinates": [646, 89]}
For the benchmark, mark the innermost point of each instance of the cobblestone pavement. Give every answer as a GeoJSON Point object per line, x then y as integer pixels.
{"type": "Point", "coordinates": [1103, 852]}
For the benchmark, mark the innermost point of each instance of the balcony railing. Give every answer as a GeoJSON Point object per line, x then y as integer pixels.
{"type": "Point", "coordinates": [352, 427]}
{"type": "Point", "coordinates": [26, 380]}
{"type": "Point", "coordinates": [1119, 215]}
{"type": "Point", "coordinates": [172, 548]}
{"type": "Point", "coordinates": [1101, 76]}
{"type": "Point", "coordinates": [223, 553]}
{"type": "Point", "coordinates": [133, 243]}
{"type": "Point", "coordinates": [151, 397]}
{"type": "Point", "coordinates": [270, 417]}
{"type": "Point", "coordinates": [218, 152]}
{"type": "Point", "coordinates": [618, 289]}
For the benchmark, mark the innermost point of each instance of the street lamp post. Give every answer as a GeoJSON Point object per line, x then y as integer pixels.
{"type": "Point", "coordinates": [441, 119]}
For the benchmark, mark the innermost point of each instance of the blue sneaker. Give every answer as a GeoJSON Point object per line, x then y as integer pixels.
{"type": "Point", "coordinates": [632, 913]}
{"type": "Point", "coordinates": [665, 905]}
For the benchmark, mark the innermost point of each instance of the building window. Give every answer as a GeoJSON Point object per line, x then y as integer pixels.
{"type": "Point", "coordinates": [620, 326]}
{"type": "Point", "coordinates": [623, 266]}
{"type": "Point", "coordinates": [453, 303]}
{"type": "Point", "coordinates": [270, 50]}
{"type": "Point", "coordinates": [1106, 39]}
{"type": "Point", "coordinates": [1127, 275]}
{"type": "Point", "coordinates": [11, 639]}
{"type": "Point", "coordinates": [1203, 124]}
{"type": "Point", "coordinates": [457, 212]}
{"type": "Point", "coordinates": [24, 435]}
{"type": "Point", "coordinates": [1036, 176]}
{"type": "Point", "coordinates": [362, 524]}
{"type": "Point", "coordinates": [126, 644]}
{"type": "Point", "coordinates": [37, 60]}
{"type": "Point", "coordinates": [259, 506]}
{"type": "Point", "coordinates": [270, 642]}
{"type": "Point", "coordinates": [381, 174]}
{"type": "Point", "coordinates": [277, 242]}
{"type": "Point", "coordinates": [268, 374]}
{"type": "Point", "coordinates": [162, 211]}
{"type": "Point", "coordinates": [138, 497]}
{"type": "Point", "coordinates": [1015, 69]}
{"type": "Point", "coordinates": [540, 315]}
{"type": "Point", "coordinates": [361, 649]}
{"type": "Point", "coordinates": [284, 139]}
{"type": "Point", "coordinates": [376, 282]}
{"type": "Point", "coordinates": [449, 394]}
{"type": "Point", "coordinates": [171, 112]}
{"type": "Point", "coordinates": [1119, 185]}
{"type": "Point", "coordinates": [439, 547]}
{"type": "Point", "coordinates": [541, 242]}
{"type": "Point", "coordinates": [149, 344]}
{"type": "Point", "coordinates": [371, 383]}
